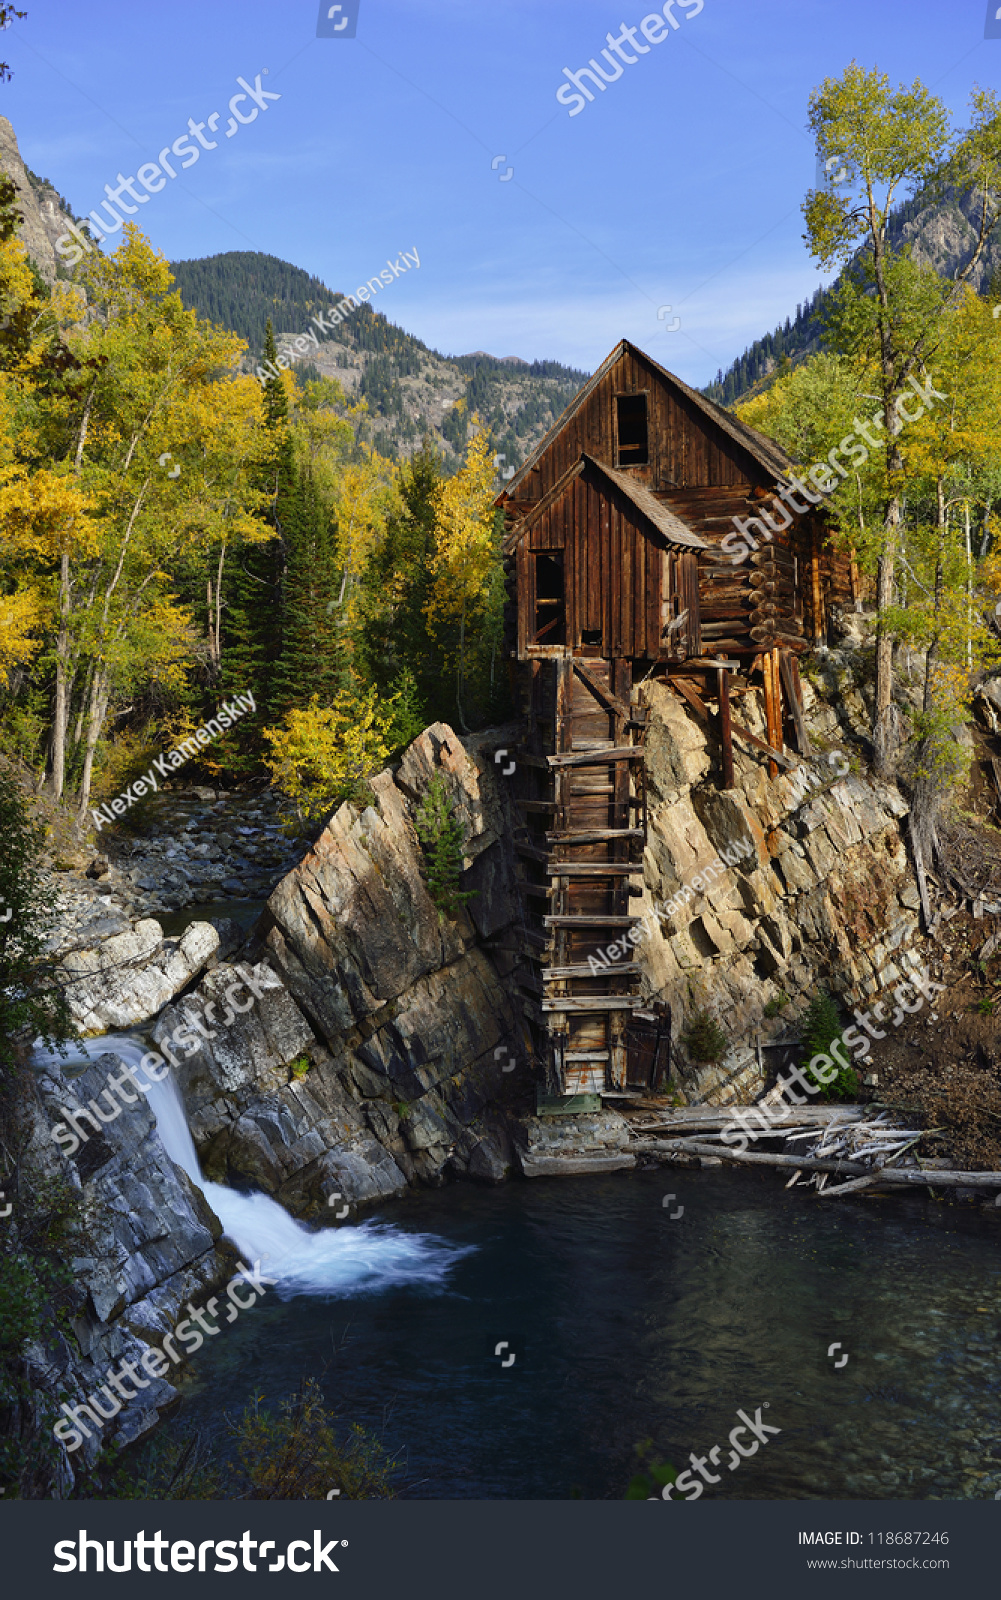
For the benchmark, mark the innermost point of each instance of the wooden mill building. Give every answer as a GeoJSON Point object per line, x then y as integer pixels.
{"type": "Point", "coordinates": [615, 573]}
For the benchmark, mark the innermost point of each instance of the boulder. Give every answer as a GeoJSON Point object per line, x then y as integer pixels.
{"type": "Point", "coordinates": [132, 975]}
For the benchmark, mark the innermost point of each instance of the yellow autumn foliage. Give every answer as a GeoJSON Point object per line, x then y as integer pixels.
{"type": "Point", "coordinates": [320, 755]}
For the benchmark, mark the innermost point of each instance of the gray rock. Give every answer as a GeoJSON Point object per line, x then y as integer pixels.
{"type": "Point", "coordinates": [132, 975]}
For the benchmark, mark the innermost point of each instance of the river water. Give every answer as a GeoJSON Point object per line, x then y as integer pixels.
{"type": "Point", "coordinates": [628, 1322]}
{"type": "Point", "coordinates": [627, 1325]}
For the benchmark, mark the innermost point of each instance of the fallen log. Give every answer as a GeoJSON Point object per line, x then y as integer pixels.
{"type": "Point", "coordinates": [849, 1169]}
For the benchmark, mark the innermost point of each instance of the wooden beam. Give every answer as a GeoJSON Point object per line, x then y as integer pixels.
{"type": "Point", "coordinates": [773, 720]}
{"type": "Point", "coordinates": [689, 694]}
{"type": "Point", "coordinates": [594, 869]}
{"type": "Point", "coordinates": [531, 852]}
{"type": "Point", "coordinates": [591, 922]}
{"type": "Point", "coordinates": [540, 507]}
{"type": "Point", "coordinates": [723, 688]}
{"type": "Point", "coordinates": [597, 758]}
{"type": "Point", "coordinates": [759, 744]}
{"type": "Point", "coordinates": [592, 835]}
{"type": "Point", "coordinates": [623, 969]}
{"type": "Point", "coordinates": [594, 1003]}
{"type": "Point", "coordinates": [610, 701]}
{"type": "Point", "coordinates": [790, 677]}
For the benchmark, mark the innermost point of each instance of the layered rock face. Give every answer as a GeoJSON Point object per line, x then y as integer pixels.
{"type": "Point", "coordinates": [825, 897]}
{"type": "Point", "coordinates": [151, 1244]}
{"type": "Point", "coordinates": [380, 1050]}
{"type": "Point", "coordinates": [385, 1045]}
{"type": "Point", "coordinates": [43, 220]}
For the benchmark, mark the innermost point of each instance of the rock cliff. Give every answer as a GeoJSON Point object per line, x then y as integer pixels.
{"type": "Point", "coordinates": [384, 1046]}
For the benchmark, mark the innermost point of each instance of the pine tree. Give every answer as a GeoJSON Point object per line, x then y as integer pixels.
{"type": "Point", "coordinates": [311, 660]}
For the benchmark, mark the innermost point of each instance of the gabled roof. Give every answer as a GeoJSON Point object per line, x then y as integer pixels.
{"type": "Point", "coordinates": [667, 523]}
{"type": "Point", "coordinates": [765, 451]}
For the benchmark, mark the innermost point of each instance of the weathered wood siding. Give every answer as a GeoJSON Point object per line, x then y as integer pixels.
{"type": "Point", "coordinates": [611, 568]}
{"type": "Point", "coordinates": [686, 447]}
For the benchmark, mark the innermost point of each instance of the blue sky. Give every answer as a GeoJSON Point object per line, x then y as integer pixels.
{"type": "Point", "coordinates": [680, 185]}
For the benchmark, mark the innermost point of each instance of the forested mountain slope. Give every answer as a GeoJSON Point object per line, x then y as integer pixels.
{"type": "Point", "coordinates": [409, 389]}
{"type": "Point", "coordinates": [938, 230]}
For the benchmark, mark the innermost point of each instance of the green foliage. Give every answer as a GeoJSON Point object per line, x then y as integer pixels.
{"type": "Point", "coordinates": [300, 1066]}
{"type": "Point", "coordinates": [409, 718]}
{"type": "Point", "coordinates": [820, 1026]}
{"type": "Point", "coordinates": [704, 1039]}
{"type": "Point", "coordinates": [443, 840]}
{"type": "Point", "coordinates": [648, 1482]}
{"type": "Point", "coordinates": [298, 1452]}
{"type": "Point", "coordinates": [31, 1003]}
{"type": "Point", "coordinates": [776, 1004]}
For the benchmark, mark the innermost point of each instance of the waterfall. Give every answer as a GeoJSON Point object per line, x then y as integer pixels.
{"type": "Point", "coordinates": [327, 1262]}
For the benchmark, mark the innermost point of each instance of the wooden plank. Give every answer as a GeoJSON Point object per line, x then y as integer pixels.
{"type": "Point", "coordinates": [621, 969]}
{"type": "Point", "coordinates": [592, 835]}
{"type": "Point", "coordinates": [594, 869]}
{"type": "Point", "coordinates": [526, 598]}
{"type": "Point", "coordinates": [597, 758]}
{"type": "Point", "coordinates": [594, 1003]}
{"type": "Point", "coordinates": [689, 694]}
{"type": "Point", "coordinates": [790, 678]}
{"type": "Point", "coordinates": [591, 922]}
{"type": "Point", "coordinates": [723, 690]}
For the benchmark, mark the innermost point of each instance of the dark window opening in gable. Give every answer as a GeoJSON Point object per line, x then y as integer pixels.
{"type": "Point", "coordinates": [631, 430]}
{"type": "Point", "coordinates": [550, 615]}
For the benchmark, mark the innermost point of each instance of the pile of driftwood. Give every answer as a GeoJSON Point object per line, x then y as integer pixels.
{"type": "Point", "coordinates": [863, 1145]}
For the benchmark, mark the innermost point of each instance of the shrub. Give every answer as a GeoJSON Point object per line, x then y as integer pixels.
{"type": "Point", "coordinates": [820, 1027]}
{"type": "Point", "coordinates": [655, 1474]}
{"type": "Point", "coordinates": [322, 755]}
{"type": "Point", "coordinates": [704, 1039]}
{"type": "Point", "coordinates": [774, 1006]}
{"type": "Point", "coordinates": [443, 841]}
{"type": "Point", "coordinates": [298, 1452]}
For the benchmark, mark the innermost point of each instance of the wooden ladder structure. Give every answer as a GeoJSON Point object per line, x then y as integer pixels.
{"type": "Point", "coordinates": [583, 835]}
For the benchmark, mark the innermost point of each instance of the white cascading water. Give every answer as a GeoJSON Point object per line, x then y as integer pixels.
{"type": "Point", "coordinates": [329, 1262]}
